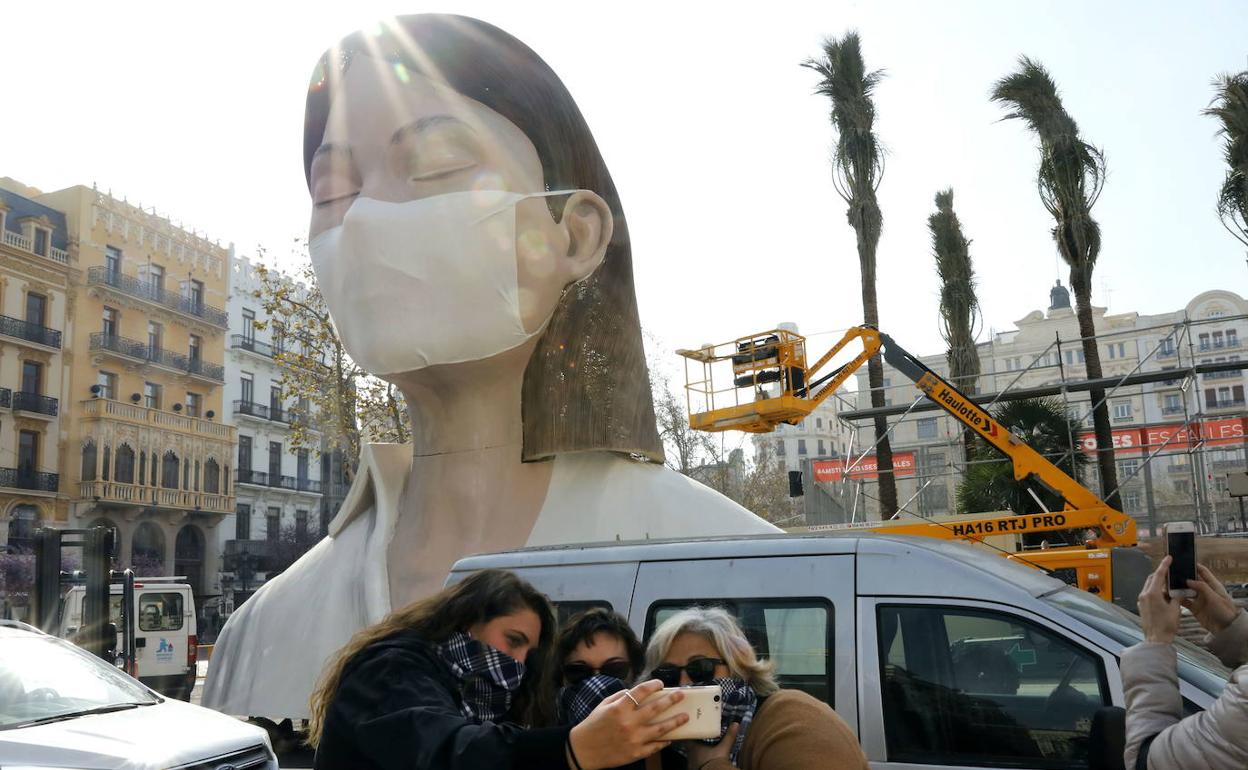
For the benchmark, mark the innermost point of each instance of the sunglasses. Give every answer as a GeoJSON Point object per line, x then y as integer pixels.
{"type": "Point", "coordinates": [700, 670]}
{"type": "Point", "coordinates": [575, 673]}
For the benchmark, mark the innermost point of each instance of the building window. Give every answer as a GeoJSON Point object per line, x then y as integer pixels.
{"type": "Point", "coordinates": [194, 403]}
{"type": "Point", "coordinates": [88, 461]}
{"type": "Point", "coordinates": [819, 423]}
{"type": "Point", "coordinates": [156, 278]}
{"type": "Point", "coordinates": [110, 322]}
{"type": "Point", "coordinates": [1173, 404]}
{"type": "Point", "coordinates": [1203, 337]}
{"type": "Point", "coordinates": [301, 525]}
{"type": "Point", "coordinates": [274, 523]}
{"type": "Point", "coordinates": [1232, 338]}
{"type": "Point", "coordinates": [822, 451]}
{"type": "Point", "coordinates": [801, 446]}
{"type": "Point", "coordinates": [195, 292]}
{"type": "Point", "coordinates": [193, 349]}
{"type": "Point", "coordinates": [169, 471]}
{"type": "Point", "coordinates": [244, 455]}
{"type": "Point", "coordinates": [249, 326]}
{"type": "Point", "coordinates": [927, 427]}
{"type": "Point", "coordinates": [1122, 410]}
{"type": "Point", "coordinates": [41, 241]}
{"type": "Point", "coordinates": [151, 395]}
{"type": "Point", "coordinates": [32, 377]}
{"type": "Point", "coordinates": [212, 477]}
{"type": "Point", "coordinates": [242, 522]}
{"type": "Point", "coordinates": [1167, 347]}
{"type": "Point", "coordinates": [125, 465]}
{"type": "Point", "coordinates": [301, 466]}
{"type": "Point", "coordinates": [780, 447]}
{"type": "Point", "coordinates": [275, 462]}
{"type": "Point", "coordinates": [112, 260]}
{"type": "Point", "coordinates": [27, 454]}
{"type": "Point", "coordinates": [247, 386]}
{"type": "Point", "coordinates": [108, 385]}
{"type": "Point", "coordinates": [153, 337]}
{"type": "Point", "coordinates": [36, 309]}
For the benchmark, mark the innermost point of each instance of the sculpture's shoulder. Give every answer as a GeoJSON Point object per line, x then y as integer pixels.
{"type": "Point", "coordinates": [597, 496]}
{"type": "Point", "coordinates": [273, 648]}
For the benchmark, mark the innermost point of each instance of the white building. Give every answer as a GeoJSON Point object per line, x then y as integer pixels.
{"type": "Point", "coordinates": [1043, 349]}
{"type": "Point", "coordinates": [277, 487]}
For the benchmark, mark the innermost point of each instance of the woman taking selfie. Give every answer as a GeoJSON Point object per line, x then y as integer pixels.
{"type": "Point", "coordinates": [597, 656]}
{"type": "Point", "coordinates": [763, 727]}
{"type": "Point", "coordinates": [450, 682]}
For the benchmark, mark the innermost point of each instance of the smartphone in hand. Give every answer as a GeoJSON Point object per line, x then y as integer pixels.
{"type": "Point", "coordinates": [702, 704]}
{"type": "Point", "coordinates": [1181, 548]}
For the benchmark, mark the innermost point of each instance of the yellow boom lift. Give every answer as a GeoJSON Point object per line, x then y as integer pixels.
{"type": "Point", "coordinates": [1105, 563]}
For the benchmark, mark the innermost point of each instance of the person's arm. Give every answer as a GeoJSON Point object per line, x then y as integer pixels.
{"type": "Point", "coordinates": [796, 730]}
{"type": "Point", "coordinates": [1214, 739]}
{"type": "Point", "coordinates": [1150, 680]}
{"type": "Point", "coordinates": [401, 717]}
{"type": "Point", "coordinates": [1217, 612]}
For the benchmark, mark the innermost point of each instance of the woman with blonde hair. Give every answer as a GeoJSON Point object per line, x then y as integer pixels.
{"type": "Point", "coordinates": [451, 683]}
{"type": "Point", "coordinates": [763, 727]}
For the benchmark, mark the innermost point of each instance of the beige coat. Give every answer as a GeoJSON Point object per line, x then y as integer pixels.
{"type": "Point", "coordinates": [1215, 739]}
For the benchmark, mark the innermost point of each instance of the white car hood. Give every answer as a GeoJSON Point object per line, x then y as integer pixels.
{"type": "Point", "coordinates": [155, 737]}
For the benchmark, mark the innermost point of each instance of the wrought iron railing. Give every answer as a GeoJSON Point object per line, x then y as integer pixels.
{"type": "Point", "coordinates": [134, 287]}
{"type": "Point", "coordinates": [159, 356]}
{"type": "Point", "coordinates": [33, 402]}
{"type": "Point", "coordinates": [16, 478]}
{"type": "Point", "coordinates": [31, 332]}
{"type": "Point", "coordinates": [243, 342]}
{"type": "Point", "coordinates": [262, 411]}
{"type": "Point", "coordinates": [248, 476]}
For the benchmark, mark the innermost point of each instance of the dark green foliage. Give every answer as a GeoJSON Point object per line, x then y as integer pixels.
{"type": "Point", "coordinates": [1230, 107]}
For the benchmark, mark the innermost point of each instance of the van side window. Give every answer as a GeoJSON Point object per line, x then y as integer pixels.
{"type": "Point", "coordinates": [794, 634]}
{"type": "Point", "coordinates": [963, 686]}
{"type": "Point", "coordinates": [565, 610]}
{"type": "Point", "coordinates": [160, 611]}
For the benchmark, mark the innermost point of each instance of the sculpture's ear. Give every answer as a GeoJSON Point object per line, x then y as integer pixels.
{"type": "Point", "coordinates": [588, 224]}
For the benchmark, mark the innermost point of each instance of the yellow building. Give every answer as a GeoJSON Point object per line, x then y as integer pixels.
{"type": "Point", "coordinates": [147, 452]}
{"type": "Point", "coordinates": [34, 303]}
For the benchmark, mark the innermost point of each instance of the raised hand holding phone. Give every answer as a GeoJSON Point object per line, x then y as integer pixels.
{"type": "Point", "coordinates": [1181, 548]}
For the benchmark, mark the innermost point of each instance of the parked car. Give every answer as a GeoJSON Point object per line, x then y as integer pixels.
{"type": "Point", "coordinates": [934, 652]}
{"type": "Point", "coordinates": [165, 632]}
{"type": "Point", "coordinates": [61, 707]}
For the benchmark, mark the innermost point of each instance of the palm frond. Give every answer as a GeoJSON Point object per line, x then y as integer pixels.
{"type": "Point", "coordinates": [1230, 107]}
{"type": "Point", "coordinates": [959, 304]}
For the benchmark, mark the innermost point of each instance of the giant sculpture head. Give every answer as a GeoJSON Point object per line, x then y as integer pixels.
{"type": "Point", "coordinates": [462, 212]}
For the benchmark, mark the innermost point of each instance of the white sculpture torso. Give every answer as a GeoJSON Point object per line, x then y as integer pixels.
{"type": "Point", "coordinates": [274, 647]}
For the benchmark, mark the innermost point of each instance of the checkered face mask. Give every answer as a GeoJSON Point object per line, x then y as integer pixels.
{"type": "Point", "coordinates": [487, 678]}
{"type": "Point", "coordinates": [576, 701]}
{"type": "Point", "coordinates": [737, 705]}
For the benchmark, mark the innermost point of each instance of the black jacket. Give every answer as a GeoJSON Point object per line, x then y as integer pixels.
{"type": "Point", "coordinates": [397, 707]}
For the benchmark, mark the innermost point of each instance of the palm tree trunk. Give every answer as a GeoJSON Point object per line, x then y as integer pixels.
{"type": "Point", "coordinates": [1100, 415]}
{"type": "Point", "coordinates": [867, 221]}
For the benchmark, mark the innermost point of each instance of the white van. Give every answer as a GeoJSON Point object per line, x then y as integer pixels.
{"type": "Point", "coordinates": [165, 633]}
{"type": "Point", "coordinates": [934, 652]}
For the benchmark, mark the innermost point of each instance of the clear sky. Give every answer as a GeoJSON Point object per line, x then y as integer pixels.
{"type": "Point", "coordinates": [711, 129]}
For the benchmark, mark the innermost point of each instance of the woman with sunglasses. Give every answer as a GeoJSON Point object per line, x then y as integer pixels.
{"type": "Point", "coordinates": [597, 655]}
{"type": "Point", "coordinates": [763, 727]}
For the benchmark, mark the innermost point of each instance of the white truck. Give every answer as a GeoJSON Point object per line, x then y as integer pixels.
{"type": "Point", "coordinates": [165, 632]}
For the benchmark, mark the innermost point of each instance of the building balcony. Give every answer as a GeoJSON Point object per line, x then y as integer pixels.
{"type": "Point", "coordinates": [1172, 410]}
{"type": "Point", "coordinates": [137, 351]}
{"type": "Point", "coordinates": [261, 411]}
{"type": "Point", "coordinates": [149, 292]}
{"type": "Point", "coordinates": [1228, 403]}
{"type": "Point", "coordinates": [1205, 347]}
{"type": "Point", "coordinates": [6, 398]}
{"type": "Point", "coordinates": [1168, 353]}
{"type": "Point", "coordinates": [277, 481]}
{"type": "Point", "coordinates": [252, 345]}
{"type": "Point", "coordinates": [33, 481]}
{"type": "Point", "coordinates": [30, 332]}
{"type": "Point", "coordinates": [1227, 375]}
{"type": "Point", "coordinates": [22, 243]}
{"type": "Point", "coordinates": [97, 408]}
{"type": "Point", "coordinates": [34, 403]}
{"type": "Point", "coordinates": [160, 497]}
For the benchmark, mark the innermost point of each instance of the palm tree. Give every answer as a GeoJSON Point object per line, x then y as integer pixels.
{"type": "Point", "coordinates": [990, 485]}
{"type": "Point", "coordinates": [1070, 179]}
{"type": "Point", "coordinates": [1230, 106]}
{"type": "Point", "coordinates": [857, 166]}
{"type": "Point", "coordinates": [959, 307]}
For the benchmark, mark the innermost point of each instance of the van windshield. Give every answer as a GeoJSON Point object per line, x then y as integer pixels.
{"type": "Point", "coordinates": [1196, 666]}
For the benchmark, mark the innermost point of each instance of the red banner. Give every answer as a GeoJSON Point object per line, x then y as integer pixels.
{"type": "Point", "coordinates": [828, 471]}
{"type": "Point", "coordinates": [1179, 436]}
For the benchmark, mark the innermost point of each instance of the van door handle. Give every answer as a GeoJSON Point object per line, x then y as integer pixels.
{"type": "Point", "coordinates": [141, 641]}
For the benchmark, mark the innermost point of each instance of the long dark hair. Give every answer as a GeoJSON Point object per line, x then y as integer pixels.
{"type": "Point", "coordinates": [478, 598]}
{"type": "Point", "coordinates": [586, 386]}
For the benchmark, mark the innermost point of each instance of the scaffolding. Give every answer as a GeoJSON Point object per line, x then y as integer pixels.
{"type": "Point", "coordinates": [1172, 456]}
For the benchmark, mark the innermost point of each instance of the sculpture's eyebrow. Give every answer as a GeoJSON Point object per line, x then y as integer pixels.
{"type": "Point", "coordinates": [331, 148]}
{"type": "Point", "coordinates": [424, 124]}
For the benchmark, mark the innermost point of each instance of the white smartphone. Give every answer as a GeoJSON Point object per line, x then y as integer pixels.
{"type": "Point", "coordinates": [702, 704]}
{"type": "Point", "coordinates": [1181, 548]}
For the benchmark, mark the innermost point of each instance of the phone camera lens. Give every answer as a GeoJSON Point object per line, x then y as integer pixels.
{"type": "Point", "coordinates": [717, 699]}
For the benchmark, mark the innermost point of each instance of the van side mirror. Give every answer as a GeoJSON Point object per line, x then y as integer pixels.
{"type": "Point", "coordinates": [1107, 739]}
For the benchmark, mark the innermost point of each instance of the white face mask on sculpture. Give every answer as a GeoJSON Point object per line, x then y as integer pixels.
{"type": "Point", "coordinates": [425, 282]}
